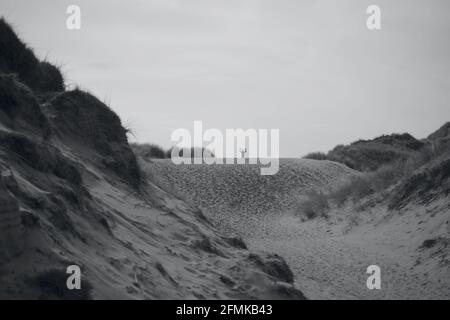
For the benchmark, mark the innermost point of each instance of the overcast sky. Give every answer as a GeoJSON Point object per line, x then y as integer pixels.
{"type": "Point", "coordinates": [309, 68]}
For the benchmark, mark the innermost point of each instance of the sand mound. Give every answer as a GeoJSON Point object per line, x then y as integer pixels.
{"type": "Point", "coordinates": [328, 257]}
{"type": "Point", "coordinates": [234, 196]}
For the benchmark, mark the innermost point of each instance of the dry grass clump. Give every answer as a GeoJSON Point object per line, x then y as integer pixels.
{"type": "Point", "coordinates": [316, 205]}
{"type": "Point", "coordinates": [421, 171]}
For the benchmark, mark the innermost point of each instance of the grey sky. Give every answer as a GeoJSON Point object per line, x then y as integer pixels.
{"type": "Point", "coordinates": [310, 68]}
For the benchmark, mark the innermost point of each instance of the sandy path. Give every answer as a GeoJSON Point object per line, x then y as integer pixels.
{"type": "Point", "coordinates": [334, 267]}
{"type": "Point", "coordinates": [327, 263]}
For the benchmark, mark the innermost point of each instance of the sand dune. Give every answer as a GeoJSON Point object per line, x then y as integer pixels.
{"type": "Point", "coordinates": [235, 196]}
{"type": "Point", "coordinates": [72, 193]}
{"type": "Point", "coordinates": [328, 257]}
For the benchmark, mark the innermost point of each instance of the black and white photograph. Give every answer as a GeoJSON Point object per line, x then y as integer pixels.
{"type": "Point", "coordinates": [224, 150]}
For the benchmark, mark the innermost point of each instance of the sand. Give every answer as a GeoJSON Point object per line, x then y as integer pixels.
{"type": "Point", "coordinates": [329, 258]}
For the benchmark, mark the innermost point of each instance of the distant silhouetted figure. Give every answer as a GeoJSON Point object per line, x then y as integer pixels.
{"type": "Point", "coordinates": [243, 152]}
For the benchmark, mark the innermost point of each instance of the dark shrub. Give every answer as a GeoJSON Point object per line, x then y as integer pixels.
{"type": "Point", "coordinates": [315, 205]}
{"type": "Point", "coordinates": [169, 153]}
{"type": "Point", "coordinates": [316, 156]}
{"type": "Point", "coordinates": [150, 151]}
{"type": "Point", "coordinates": [191, 153]}
{"type": "Point", "coordinates": [355, 189]}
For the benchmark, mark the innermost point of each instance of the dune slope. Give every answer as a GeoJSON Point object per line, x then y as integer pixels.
{"type": "Point", "coordinates": [329, 258]}
{"type": "Point", "coordinates": [234, 196]}
{"type": "Point", "coordinates": [72, 192]}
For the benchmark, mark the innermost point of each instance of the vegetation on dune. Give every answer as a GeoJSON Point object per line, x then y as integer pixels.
{"type": "Point", "coordinates": [423, 175]}
{"type": "Point", "coordinates": [315, 205]}
{"type": "Point", "coordinates": [149, 151]}
{"type": "Point", "coordinates": [18, 58]}
{"type": "Point", "coordinates": [153, 151]}
{"type": "Point", "coordinates": [316, 156]}
{"type": "Point", "coordinates": [370, 155]}
{"type": "Point", "coordinates": [33, 100]}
